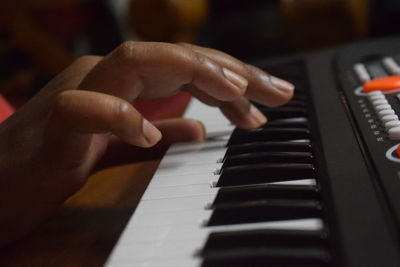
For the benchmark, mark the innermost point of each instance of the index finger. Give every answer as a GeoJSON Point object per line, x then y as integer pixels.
{"type": "Point", "coordinates": [262, 87]}
{"type": "Point", "coordinates": [154, 70]}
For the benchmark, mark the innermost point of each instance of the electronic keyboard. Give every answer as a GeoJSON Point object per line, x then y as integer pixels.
{"type": "Point", "coordinates": [318, 185]}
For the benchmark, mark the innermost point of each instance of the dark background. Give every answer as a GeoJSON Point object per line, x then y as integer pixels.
{"type": "Point", "coordinates": [40, 38]}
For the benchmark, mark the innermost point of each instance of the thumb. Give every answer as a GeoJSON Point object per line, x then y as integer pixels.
{"type": "Point", "coordinates": [79, 127]}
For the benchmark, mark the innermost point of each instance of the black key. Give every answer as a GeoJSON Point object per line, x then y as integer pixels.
{"type": "Point", "coordinates": [266, 257]}
{"type": "Point", "coordinates": [264, 211]}
{"type": "Point", "coordinates": [264, 239]}
{"type": "Point", "coordinates": [283, 113]}
{"type": "Point", "coordinates": [265, 191]}
{"type": "Point", "coordinates": [268, 157]}
{"type": "Point", "coordinates": [300, 92]}
{"type": "Point", "coordinates": [240, 136]}
{"type": "Point", "coordinates": [299, 103]}
{"type": "Point", "coordinates": [255, 147]}
{"type": "Point", "coordinates": [265, 173]}
{"type": "Point", "coordinates": [288, 69]}
{"type": "Point", "coordinates": [296, 103]}
{"type": "Point", "coordinates": [288, 123]}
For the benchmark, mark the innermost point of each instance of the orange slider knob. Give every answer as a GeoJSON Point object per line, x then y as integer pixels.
{"type": "Point", "coordinates": [382, 84]}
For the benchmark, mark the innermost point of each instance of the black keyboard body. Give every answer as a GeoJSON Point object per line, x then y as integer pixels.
{"type": "Point", "coordinates": [360, 186]}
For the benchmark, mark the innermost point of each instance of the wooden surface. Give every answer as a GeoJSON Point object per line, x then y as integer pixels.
{"type": "Point", "coordinates": [87, 226]}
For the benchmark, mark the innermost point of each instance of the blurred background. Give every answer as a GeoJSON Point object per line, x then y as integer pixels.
{"type": "Point", "coordinates": [39, 38]}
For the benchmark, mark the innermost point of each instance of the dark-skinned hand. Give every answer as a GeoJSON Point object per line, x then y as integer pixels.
{"type": "Point", "coordinates": [50, 146]}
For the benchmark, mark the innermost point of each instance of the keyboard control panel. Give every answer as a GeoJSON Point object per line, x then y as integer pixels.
{"type": "Point", "coordinates": [370, 82]}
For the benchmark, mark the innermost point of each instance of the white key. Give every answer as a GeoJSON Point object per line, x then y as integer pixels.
{"type": "Point", "coordinates": [194, 148]}
{"type": "Point", "coordinates": [157, 234]}
{"type": "Point", "coordinates": [153, 252]}
{"type": "Point", "coordinates": [362, 72]}
{"type": "Point", "coordinates": [125, 261]}
{"type": "Point", "coordinates": [145, 219]}
{"type": "Point", "coordinates": [151, 243]}
{"type": "Point", "coordinates": [194, 153]}
{"type": "Point", "coordinates": [190, 170]}
{"type": "Point", "coordinates": [182, 180]}
{"type": "Point", "coordinates": [177, 203]}
{"type": "Point", "coordinates": [215, 122]}
{"type": "Point", "coordinates": [183, 232]}
{"type": "Point", "coordinates": [171, 263]}
{"type": "Point", "coordinates": [193, 262]}
{"type": "Point", "coordinates": [310, 182]}
{"type": "Point", "coordinates": [179, 191]}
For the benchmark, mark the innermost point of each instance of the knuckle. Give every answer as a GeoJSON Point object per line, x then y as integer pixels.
{"type": "Point", "coordinates": [253, 71]}
{"type": "Point", "coordinates": [127, 49]}
{"type": "Point", "coordinates": [195, 56]}
{"type": "Point", "coordinates": [62, 100]}
{"type": "Point", "coordinates": [121, 110]}
{"type": "Point", "coordinates": [186, 45]}
{"type": "Point", "coordinates": [200, 59]}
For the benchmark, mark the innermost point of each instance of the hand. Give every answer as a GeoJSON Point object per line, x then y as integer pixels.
{"type": "Point", "coordinates": [49, 146]}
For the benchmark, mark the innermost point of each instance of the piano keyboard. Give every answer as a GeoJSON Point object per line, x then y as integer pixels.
{"type": "Point", "coordinates": [299, 191]}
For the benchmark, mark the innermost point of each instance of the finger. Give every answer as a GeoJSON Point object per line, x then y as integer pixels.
{"type": "Point", "coordinates": [180, 130]}
{"type": "Point", "coordinates": [81, 121]}
{"type": "Point", "coordinates": [73, 75]}
{"type": "Point", "coordinates": [173, 131]}
{"type": "Point", "coordinates": [243, 114]}
{"type": "Point", "coordinates": [262, 87]}
{"type": "Point", "coordinates": [240, 111]}
{"type": "Point", "coordinates": [161, 69]}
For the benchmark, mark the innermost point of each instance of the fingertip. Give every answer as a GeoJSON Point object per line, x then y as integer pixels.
{"type": "Point", "coordinates": [257, 116]}
{"type": "Point", "coordinates": [194, 131]}
{"type": "Point", "coordinates": [284, 89]}
{"type": "Point", "coordinates": [181, 130]}
{"type": "Point", "coordinates": [150, 133]}
{"type": "Point", "coordinates": [201, 131]}
{"type": "Point", "coordinates": [243, 114]}
{"type": "Point", "coordinates": [254, 118]}
{"type": "Point", "coordinates": [282, 85]}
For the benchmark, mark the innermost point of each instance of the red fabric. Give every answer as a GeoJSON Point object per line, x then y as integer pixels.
{"type": "Point", "coordinates": [159, 109]}
{"type": "Point", "coordinates": [6, 110]}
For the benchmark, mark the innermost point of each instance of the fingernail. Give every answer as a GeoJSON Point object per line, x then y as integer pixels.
{"type": "Point", "coordinates": [151, 133]}
{"type": "Point", "coordinates": [203, 127]}
{"type": "Point", "coordinates": [282, 84]}
{"type": "Point", "coordinates": [257, 115]}
{"type": "Point", "coordinates": [237, 80]}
